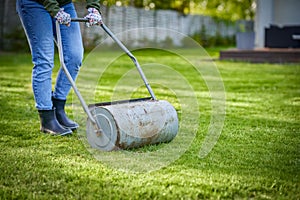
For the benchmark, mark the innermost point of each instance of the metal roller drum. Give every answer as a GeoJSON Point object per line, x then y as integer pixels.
{"type": "Point", "coordinates": [124, 124]}
{"type": "Point", "coordinates": [133, 124]}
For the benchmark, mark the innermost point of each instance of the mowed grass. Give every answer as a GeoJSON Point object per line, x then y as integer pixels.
{"type": "Point", "coordinates": [257, 155]}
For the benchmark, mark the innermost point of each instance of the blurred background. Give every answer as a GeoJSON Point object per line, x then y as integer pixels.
{"type": "Point", "coordinates": [243, 24]}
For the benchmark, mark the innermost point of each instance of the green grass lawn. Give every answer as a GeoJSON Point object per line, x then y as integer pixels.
{"type": "Point", "coordinates": [256, 156]}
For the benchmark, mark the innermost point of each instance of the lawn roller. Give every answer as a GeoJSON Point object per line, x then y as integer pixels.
{"type": "Point", "coordinates": [125, 124]}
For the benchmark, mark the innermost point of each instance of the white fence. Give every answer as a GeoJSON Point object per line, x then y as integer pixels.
{"type": "Point", "coordinates": [166, 22]}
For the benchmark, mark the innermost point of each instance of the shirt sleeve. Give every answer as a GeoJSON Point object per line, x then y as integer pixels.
{"type": "Point", "coordinates": [51, 6]}
{"type": "Point", "coordinates": [93, 4]}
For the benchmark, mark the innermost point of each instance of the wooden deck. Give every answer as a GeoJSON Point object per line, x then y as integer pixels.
{"type": "Point", "coordinates": [265, 55]}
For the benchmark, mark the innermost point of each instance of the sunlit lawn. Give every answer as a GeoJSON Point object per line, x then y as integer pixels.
{"type": "Point", "coordinates": [256, 156]}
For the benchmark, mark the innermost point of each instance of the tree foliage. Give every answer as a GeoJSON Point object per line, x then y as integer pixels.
{"type": "Point", "coordinates": [225, 9]}
{"type": "Point", "coordinates": [228, 9]}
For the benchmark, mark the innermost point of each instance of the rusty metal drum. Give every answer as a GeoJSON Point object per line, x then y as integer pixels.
{"type": "Point", "coordinates": [132, 124]}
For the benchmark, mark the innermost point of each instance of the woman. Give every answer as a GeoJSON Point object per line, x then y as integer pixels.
{"type": "Point", "coordinates": [38, 19]}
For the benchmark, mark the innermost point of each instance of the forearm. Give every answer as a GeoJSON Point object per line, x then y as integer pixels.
{"type": "Point", "coordinates": [53, 6]}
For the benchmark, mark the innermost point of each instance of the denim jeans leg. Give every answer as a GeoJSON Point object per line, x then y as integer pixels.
{"type": "Point", "coordinates": [38, 27]}
{"type": "Point", "coordinates": [73, 54]}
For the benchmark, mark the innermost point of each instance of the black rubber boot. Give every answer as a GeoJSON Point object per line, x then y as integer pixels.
{"type": "Point", "coordinates": [49, 123]}
{"type": "Point", "coordinates": [61, 116]}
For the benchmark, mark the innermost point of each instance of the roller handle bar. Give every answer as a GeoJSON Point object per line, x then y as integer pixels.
{"type": "Point", "coordinates": [67, 73]}
{"type": "Point", "coordinates": [121, 45]}
{"type": "Point", "coordinates": [79, 20]}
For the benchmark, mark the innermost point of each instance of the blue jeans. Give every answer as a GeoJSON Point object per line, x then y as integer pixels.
{"type": "Point", "coordinates": [40, 30]}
